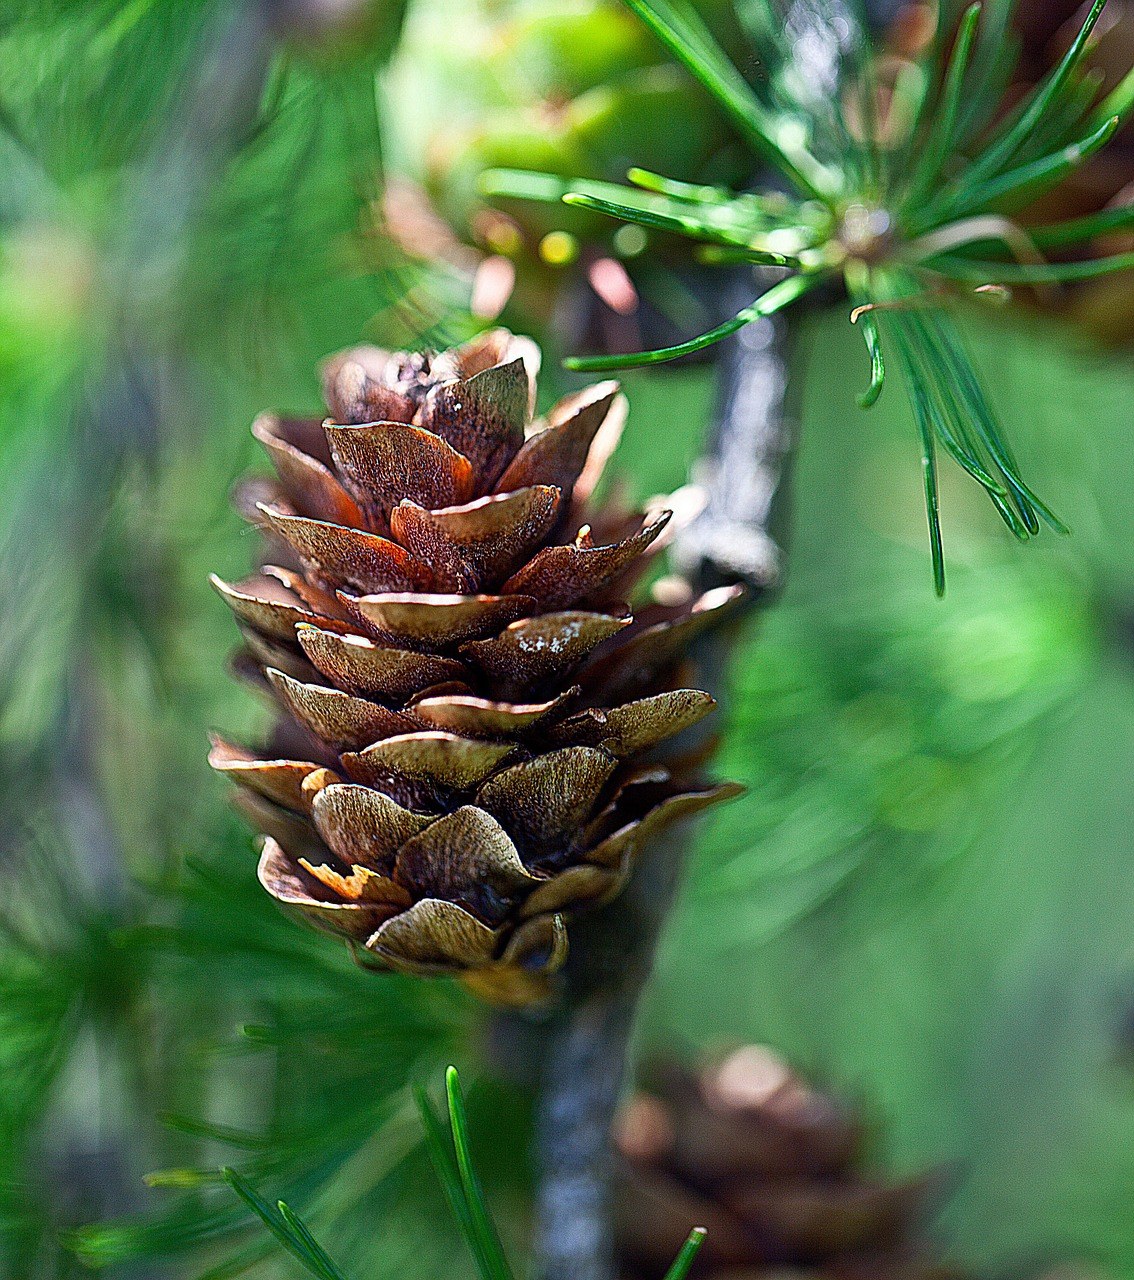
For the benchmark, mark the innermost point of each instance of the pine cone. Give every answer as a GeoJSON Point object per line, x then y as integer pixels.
{"type": "Point", "coordinates": [772, 1168]}
{"type": "Point", "coordinates": [466, 700]}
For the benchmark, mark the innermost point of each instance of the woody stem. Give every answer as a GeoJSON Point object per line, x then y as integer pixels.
{"type": "Point", "coordinates": [585, 1047]}
{"type": "Point", "coordinates": [585, 1058]}
{"type": "Point", "coordinates": [735, 539]}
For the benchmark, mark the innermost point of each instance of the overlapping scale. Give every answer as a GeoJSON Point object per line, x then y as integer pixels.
{"type": "Point", "coordinates": [635, 727]}
{"type": "Point", "coordinates": [338, 555]}
{"type": "Point", "coordinates": [479, 542]}
{"type": "Point", "coordinates": [438, 622]}
{"type": "Point", "coordinates": [468, 699]}
{"type": "Point", "coordinates": [364, 825]}
{"type": "Point", "coordinates": [339, 719]}
{"type": "Point", "coordinates": [533, 651]}
{"type": "Point", "coordinates": [358, 665]}
{"type": "Point", "coordinates": [482, 417]}
{"type": "Point", "coordinates": [385, 463]}
{"type": "Point", "coordinates": [563, 576]}
{"type": "Point", "coordinates": [556, 452]}
{"type": "Point", "coordinates": [483, 718]}
{"type": "Point", "coordinates": [295, 446]}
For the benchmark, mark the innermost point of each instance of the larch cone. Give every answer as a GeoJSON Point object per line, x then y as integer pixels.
{"type": "Point", "coordinates": [467, 752]}
{"type": "Point", "coordinates": [773, 1168]}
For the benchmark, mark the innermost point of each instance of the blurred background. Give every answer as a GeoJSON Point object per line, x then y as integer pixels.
{"type": "Point", "coordinates": [925, 902]}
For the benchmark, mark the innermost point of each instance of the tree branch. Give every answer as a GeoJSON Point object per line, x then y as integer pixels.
{"type": "Point", "coordinates": [584, 1057]}
{"type": "Point", "coordinates": [736, 538]}
{"type": "Point", "coordinates": [584, 1047]}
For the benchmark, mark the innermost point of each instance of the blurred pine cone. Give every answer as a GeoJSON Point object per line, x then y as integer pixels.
{"type": "Point", "coordinates": [466, 699]}
{"type": "Point", "coordinates": [1105, 307]}
{"type": "Point", "coordinates": [1044, 30]}
{"type": "Point", "coordinates": [772, 1168]}
{"type": "Point", "coordinates": [582, 90]}
{"type": "Point", "coordinates": [1047, 28]}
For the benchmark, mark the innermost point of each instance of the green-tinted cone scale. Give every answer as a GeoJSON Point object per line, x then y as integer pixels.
{"type": "Point", "coordinates": [470, 712]}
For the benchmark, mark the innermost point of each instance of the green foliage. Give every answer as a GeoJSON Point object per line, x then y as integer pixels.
{"type": "Point", "coordinates": [453, 1163]}
{"type": "Point", "coordinates": [324, 1032]}
{"type": "Point", "coordinates": [176, 193]}
{"type": "Point", "coordinates": [288, 1228]}
{"type": "Point", "coordinates": [896, 211]}
{"type": "Point", "coordinates": [575, 89]}
{"type": "Point", "coordinates": [925, 897]}
{"type": "Point", "coordinates": [928, 896]}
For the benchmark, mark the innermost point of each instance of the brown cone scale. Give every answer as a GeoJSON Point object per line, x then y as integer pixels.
{"type": "Point", "coordinates": [441, 623]}
{"type": "Point", "coordinates": [772, 1168]}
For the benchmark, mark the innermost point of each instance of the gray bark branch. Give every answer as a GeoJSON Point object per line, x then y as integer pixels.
{"type": "Point", "coordinates": [736, 538]}
{"type": "Point", "coordinates": [584, 1048]}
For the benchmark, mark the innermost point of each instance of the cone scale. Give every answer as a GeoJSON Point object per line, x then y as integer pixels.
{"type": "Point", "coordinates": [472, 718]}
{"type": "Point", "coordinates": [774, 1169]}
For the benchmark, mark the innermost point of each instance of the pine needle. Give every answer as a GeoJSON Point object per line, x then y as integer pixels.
{"type": "Point", "coordinates": [489, 1240]}
{"type": "Point", "coordinates": [288, 1229]}
{"type": "Point", "coordinates": [872, 240]}
{"type": "Point", "coordinates": [452, 1160]}
{"type": "Point", "coordinates": [688, 1253]}
{"type": "Point", "coordinates": [775, 299]}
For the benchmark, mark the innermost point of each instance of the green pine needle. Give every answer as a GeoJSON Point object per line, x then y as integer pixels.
{"type": "Point", "coordinates": [1030, 179]}
{"type": "Point", "coordinates": [920, 402]}
{"type": "Point", "coordinates": [452, 1160]}
{"type": "Point", "coordinates": [695, 193]}
{"type": "Point", "coordinates": [681, 224]}
{"type": "Point", "coordinates": [1120, 102]}
{"type": "Point", "coordinates": [964, 380]}
{"type": "Point", "coordinates": [870, 333]}
{"type": "Point", "coordinates": [865, 217]}
{"type": "Point", "coordinates": [1018, 273]}
{"type": "Point", "coordinates": [680, 28]}
{"type": "Point", "coordinates": [689, 1250]}
{"type": "Point", "coordinates": [489, 1240]}
{"type": "Point", "coordinates": [439, 1145]}
{"type": "Point", "coordinates": [1060, 235]}
{"type": "Point", "coordinates": [1035, 108]}
{"type": "Point", "coordinates": [943, 131]}
{"type": "Point", "coordinates": [215, 1132]}
{"type": "Point", "coordinates": [523, 184]}
{"type": "Point", "coordinates": [949, 419]}
{"type": "Point", "coordinates": [775, 299]}
{"type": "Point", "coordinates": [720, 255]}
{"type": "Point", "coordinates": [288, 1229]}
